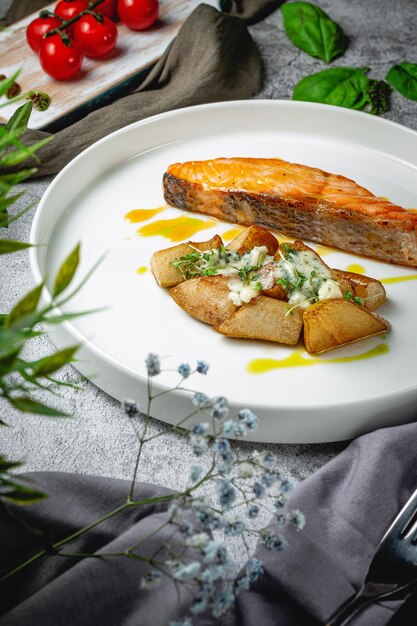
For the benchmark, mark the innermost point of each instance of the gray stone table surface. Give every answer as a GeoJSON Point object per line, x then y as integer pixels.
{"type": "Point", "coordinates": [99, 440]}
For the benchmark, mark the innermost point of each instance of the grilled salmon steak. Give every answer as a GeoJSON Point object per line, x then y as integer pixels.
{"type": "Point", "coordinates": [304, 202]}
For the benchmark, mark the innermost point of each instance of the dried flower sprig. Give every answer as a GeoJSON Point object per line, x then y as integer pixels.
{"type": "Point", "coordinates": [196, 557]}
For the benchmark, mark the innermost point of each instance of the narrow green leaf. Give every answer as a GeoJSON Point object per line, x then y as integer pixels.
{"type": "Point", "coordinates": [66, 271]}
{"type": "Point", "coordinates": [27, 405]}
{"type": "Point", "coordinates": [25, 306]}
{"type": "Point", "coordinates": [340, 86]}
{"type": "Point", "coordinates": [9, 245]}
{"type": "Point", "coordinates": [18, 156]}
{"type": "Point", "coordinates": [3, 318]}
{"type": "Point", "coordinates": [54, 362]}
{"type": "Point", "coordinates": [6, 464]}
{"type": "Point", "coordinates": [18, 123]}
{"type": "Point", "coordinates": [17, 493]}
{"type": "Point", "coordinates": [403, 78]}
{"type": "Point", "coordinates": [58, 319]}
{"type": "Point", "coordinates": [12, 218]}
{"type": "Point", "coordinates": [8, 82]}
{"type": "Point", "coordinates": [17, 177]}
{"type": "Point", "coordinates": [7, 361]}
{"type": "Point", "coordinates": [313, 31]}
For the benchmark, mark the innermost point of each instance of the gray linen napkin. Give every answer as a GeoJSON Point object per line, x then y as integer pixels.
{"type": "Point", "coordinates": [348, 505]}
{"type": "Point", "coordinates": [213, 58]}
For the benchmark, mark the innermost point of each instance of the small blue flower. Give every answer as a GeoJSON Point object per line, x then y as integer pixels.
{"type": "Point", "coordinates": [228, 428]}
{"type": "Point", "coordinates": [254, 569]}
{"type": "Point", "coordinates": [264, 458]}
{"type": "Point", "coordinates": [249, 418]}
{"type": "Point", "coordinates": [281, 519]}
{"type": "Point", "coordinates": [222, 603]}
{"type": "Point", "coordinates": [273, 542]}
{"type": "Point", "coordinates": [184, 370]}
{"type": "Point", "coordinates": [298, 519]}
{"type": "Point", "coordinates": [199, 444]}
{"type": "Point", "coordinates": [241, 583]}
{"type": "Point", "coordinates": [269, 479]}
{"type": "Point", "coordinates": [286, 486]}
{"type": "Point", "coordinates": [253, 511]}
{"type": "Point", "coordinates": [227, 493]}
{"type": "Point", "coordinates": [210, 519]}
{"type": "Point", "coordinates": [201, 428]}
{"type": "Point", "coordinates": [279, 501]}
{"type": "Point", "coordinates": [196, 471]}
{"type": "Point", "coordinates": [198, 541]}
{"type": "Point", "coordinates": [153, 364]}
{"type": "Point", "coordinates": [234, 527]}
{"type": "Point", "coordinates": [219, 410]}
{"type": "Point", "coordinates": [210, 574]}
{"type": "Point", "coordinates": [200, 399]}
{"type": "Point", "coordinates": [130, 407]}
{"type": "Point", "coordinates": [210, 551]}
{"type": "Point", "coordinates": [202, 367]}
{"type": "Point", "coordinates": [150, 580]}
{"type": "Point", "coordinates": [222, 446]}
{"type": "Point", "coordinates": [187, 572]}
{"type": "Point", "coordinates": [220, 402]}
{"type": "Point", "coordinates": [240, 430]}
{"type": "Point", "coordinates": [186, 529]}
{"type": "Point", "coordinates": [199, 605]}
{"type": "Point", "coordinates": [258, 489]}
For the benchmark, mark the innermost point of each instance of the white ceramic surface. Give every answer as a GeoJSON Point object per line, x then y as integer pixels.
{"type": "Point", "coordinates": [88, 200]}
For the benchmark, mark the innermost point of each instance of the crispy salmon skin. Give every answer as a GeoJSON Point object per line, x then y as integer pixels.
{"type": "Point", "coordinates": [301, 201]}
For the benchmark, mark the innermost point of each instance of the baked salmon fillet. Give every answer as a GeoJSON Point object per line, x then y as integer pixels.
{"type": "Point", "coordinates": [301, 201]}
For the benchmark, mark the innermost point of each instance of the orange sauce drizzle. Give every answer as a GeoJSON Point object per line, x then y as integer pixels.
{"type": "Point", "coordinates": [141, 215]}
{"type": "Point", "coordinates": [297, 359]}
{"type": "Point", "coordinates": [176, 229]}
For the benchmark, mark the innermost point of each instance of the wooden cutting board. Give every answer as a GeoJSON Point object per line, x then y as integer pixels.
{"type": "Point", "coordinates": [98, 81]}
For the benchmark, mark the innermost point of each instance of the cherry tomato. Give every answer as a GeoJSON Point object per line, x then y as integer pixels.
{"type": "Point", "coordinates": [59, 60]}
{"type": "Point", "coordinates": [108, 8]}
{"type": "Point", "coordinates": [37, 28]}
{"type": "Point", "coordinates": [138, 14]}
{"type": "Point", "coordinates": [67, 9]}
{"type": "Point", "coordinates": [97, 38]}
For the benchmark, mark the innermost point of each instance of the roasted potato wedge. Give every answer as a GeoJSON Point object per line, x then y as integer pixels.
{"type": "Point", "coordinates": [252, 237]}
{"type": "Point", "coordinates": [369, 289]}
{"type": "Point", "coordinates": [206, 298]}
{"type": "Point", "coordinates": [165, 273]}
{"type": "Point", "coordinates": [332, 323]}
{"type": "Point", "coordinates": [264, 318]}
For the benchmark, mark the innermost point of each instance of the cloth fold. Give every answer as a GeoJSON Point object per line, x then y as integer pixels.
{"type": "Point", "coordinates": [212, 59]}
{"type": "Point", "coordinates": [348, 505]}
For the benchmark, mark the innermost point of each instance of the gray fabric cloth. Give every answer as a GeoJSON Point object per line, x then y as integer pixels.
{"type": "Point", "coordinates": [250, 11]}
{"type": "Point", "coordinates": [348, 505]}
{"type": "Point", "coordinates": [213, 58]}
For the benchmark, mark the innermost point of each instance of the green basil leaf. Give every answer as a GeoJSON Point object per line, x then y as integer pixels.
{"type": "Point", "coordinates": [313, 31]}
{"type": "Point", "coordinates": [52, 363]}
{"type": "Point", "coordinates": [18, 123]}
{"type": "Point", "coordinates": [25, 306]}
{"type": "Point", "coordinates": [9, 245]}
{"type": "Point", "coordinates": [340, 86]}
{"type": "Point", "coordinates": [403, 78]}
{"type": "Point", "coordinates": [27, 405]}
{"type": "Point", "coordinates": [66, 271]}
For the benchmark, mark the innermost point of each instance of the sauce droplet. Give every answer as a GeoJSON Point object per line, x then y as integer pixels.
{"type": "Point", "coordinates": [297, 359]}
{"type": "Point", "coordinates": [231, 234]}
{"type": "Point", "coordinates": [142, 269]}
{"type": "Point", "coordinates": [397, 279]}
{"type": "Point", "coordinates": [356, 268]}
{"type": "Point", "coordinates": [141, 215]}
{"type": "Point", "coordinates": [176, 229]}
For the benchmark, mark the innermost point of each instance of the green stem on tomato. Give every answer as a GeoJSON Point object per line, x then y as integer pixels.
{"type": "Point", "coordinates": [67, 23]}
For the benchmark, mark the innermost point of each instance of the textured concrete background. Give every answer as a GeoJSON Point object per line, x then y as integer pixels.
{"type": "Point", "coordinates": [99, 440]}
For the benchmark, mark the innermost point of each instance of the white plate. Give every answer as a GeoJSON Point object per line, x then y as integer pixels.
{"type": "Point", "coordinates": [324, 401]}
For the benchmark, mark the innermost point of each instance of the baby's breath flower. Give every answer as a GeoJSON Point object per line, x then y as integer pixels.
{"type": "Point", "coordinates": [222, 603]}
{"type": "Point", "coordinates": [279, 501]}
{"type": "Point", "coordinates": [281, 519]}
{"type": "Point", "coordinates": [153, 364]}
{"type": "Point", "coordinates": [188, 571]}
{"type": "Point", "coordinates": [200, 399]}
{"type": "Point", "coordinates": [196, 471]}
{"type": "Point", "coordinates": [150, 580]}
{"type": "Point", "coordinates": [253, 511]}
{"type": "Point", "coordinates": [227, 493]}
{"type": "Point", "coordinates": [210, 574]}
{"type": "Point", "coordinates": [272, 541]}
{"type": "Point", "coordinates": [219, 410]}
{"type": "Point", "coordinates": [130, 407]}
{"type": "Point", "coordinates": [186, 528]}
{"type": "Point", "coordinates": [249, 418]}
{"type": "Point", "coordinates": [199, 444]}
{"type": "Point", "coordinates": [234, 527]}
{"type": "Point", "coordinates": [198, 540]}
{"type": "Point", "coordinates": [268, 479]}
{"type": "Point", "coordinates": [199, 605]}
{"type": "Point", "coordinates": [297, 518]}
{"type": "Point", "coordinates": [245, 470]}
{"type": "Point", "coordinates": [210, 519]}
{"type": "Point", "coordinates": [258, 489]}
{"type": "Point", "coordinates": [222, 446]}
{"type": "Point", "coordinates": [202, 367]}
{"type": "Point", "coordinates": [286, 486]}
{"type": "Point", "coordinates": [254, 569]}
{"type": "Point", "coordinates": [184, 370]}
{"type": "Point", "coordinates": [241, 583]}
{"type": "Point", "coordinates": [228, 428]}
{"type": "Point", "coordinates": [210, 551]}
{"type": "Point", "coordinates": [201, 428]}
{"type": "Point", "coordinates": [264, 458]}
{"type": "Point", "coordinates": [240, 430]}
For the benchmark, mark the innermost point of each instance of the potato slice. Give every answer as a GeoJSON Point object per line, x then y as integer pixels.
{"type": "Point", "coordinates": [165, 273]}
{"type": "Point", "coordinates": [332, 323]}
{"type": "Point", "coordinates": [370, 289]}
{"type": "Point", "coordinates": [252, 237]}
{"type": "Point", "coordinates": [264, 318]}
{"type": "Point", "coordinates": [206, 298]}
